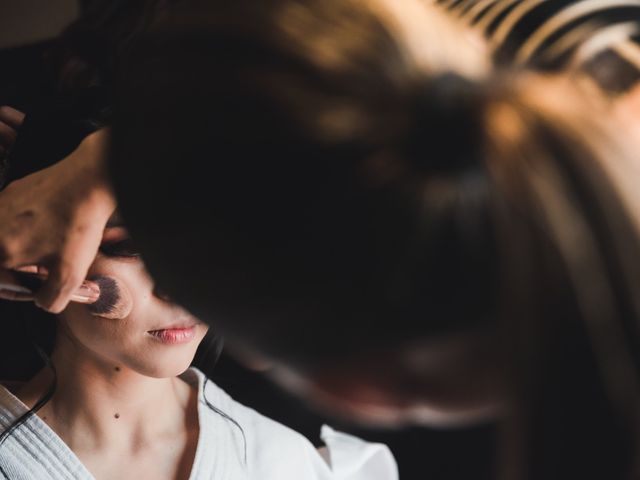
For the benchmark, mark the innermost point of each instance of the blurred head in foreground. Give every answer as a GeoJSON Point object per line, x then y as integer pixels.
{"type": "Point", "coordinates": [405, 244]}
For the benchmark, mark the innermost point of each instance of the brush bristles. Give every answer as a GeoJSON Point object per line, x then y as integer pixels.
{"type": "Point", "coordinates": [114, 301]}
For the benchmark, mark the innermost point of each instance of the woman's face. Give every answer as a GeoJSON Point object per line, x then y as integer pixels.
{"type": "Point", "coordinates": [157, 338]}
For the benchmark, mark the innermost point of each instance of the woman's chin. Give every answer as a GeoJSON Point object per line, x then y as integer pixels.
{"type": "Point", "coordinates": [164, 367]}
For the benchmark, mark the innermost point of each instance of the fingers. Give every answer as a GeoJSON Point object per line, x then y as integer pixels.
{"type": "Point", "coordinates": [19, 252]}
{"type": "Point", "coordinates": [10, 289]}
{"type": "Point", "coordinates": [64, 279]}
{"type": "Point", "coordinates": [9, 254]}
{"type": "Point", "coordinates": [29, 269]}
{"type": "Point", "coordinates": [67, 274]}
{"type": "Point", "coordinates": [15, 296]}
{"type": "Point", "coordinates": [11, 116]}
{"type": "Point", "coordinates": [19, 284]}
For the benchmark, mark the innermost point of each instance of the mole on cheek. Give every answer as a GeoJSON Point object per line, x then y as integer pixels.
{"type": "Point", "coordinates": [117, 415]}
{"type": "Point", "coordinates": [117, 369]}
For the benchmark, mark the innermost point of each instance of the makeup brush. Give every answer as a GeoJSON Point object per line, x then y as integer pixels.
{"type": "Point", "coordinates": [24, 284]}
{"type": "Point", "coordinates": [115, 299]}
{"type": "Point", "coordinates": [105, 296]}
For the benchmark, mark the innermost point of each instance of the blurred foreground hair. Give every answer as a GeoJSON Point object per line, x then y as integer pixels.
{"type": "Point", "coordinates": [297, 171]}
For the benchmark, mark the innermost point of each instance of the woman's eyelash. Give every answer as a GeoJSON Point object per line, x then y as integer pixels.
{"type": "Point", "coordinates": [120, 248]}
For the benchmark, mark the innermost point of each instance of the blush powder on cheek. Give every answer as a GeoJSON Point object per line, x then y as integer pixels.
{"type": "Point", "coordinates": [115, 300]}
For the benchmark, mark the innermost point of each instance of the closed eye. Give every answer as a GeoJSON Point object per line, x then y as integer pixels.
{"type": "Point", "coordinates": [123, 248]}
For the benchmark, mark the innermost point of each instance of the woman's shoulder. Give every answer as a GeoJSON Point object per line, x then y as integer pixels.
{"type": "Point", "coordinates": [33, 450]}
{"type": "Point", "coordinates": [11, 407]}
{"type": "Point", "coordinates": [274, 451]}
{"type": "Point", "coordinates": [221, 406]}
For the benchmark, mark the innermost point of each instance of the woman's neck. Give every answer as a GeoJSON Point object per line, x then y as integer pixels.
{"type": "Point", "coordinates": [98, 405]}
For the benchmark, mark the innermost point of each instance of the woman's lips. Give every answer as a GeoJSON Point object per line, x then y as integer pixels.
{"type": "Point", "coordinates": [174, 335]}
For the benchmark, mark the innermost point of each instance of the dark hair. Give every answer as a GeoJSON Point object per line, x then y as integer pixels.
{"type": "Point", "coordinates": [85, 53]}
{"type": "Point", "coordinates": [569, 312]}
{"type": "Point", "coordinates": [79, 65]}
{"type": "Point", "coordinates": [329, 199]}
{"type": "Point", "coordinates": [322, 84]}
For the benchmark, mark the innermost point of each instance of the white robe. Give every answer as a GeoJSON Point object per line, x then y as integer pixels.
{"type": "Point", "coordinates": [273, 452]}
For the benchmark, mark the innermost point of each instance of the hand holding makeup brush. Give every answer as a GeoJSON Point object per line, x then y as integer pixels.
{"type": "Point", "coordinates": [55, 218]}
{"type": "Point", "coordinates": [22, 285]}
{"type": "Point", "coordinates": [105, 296]}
